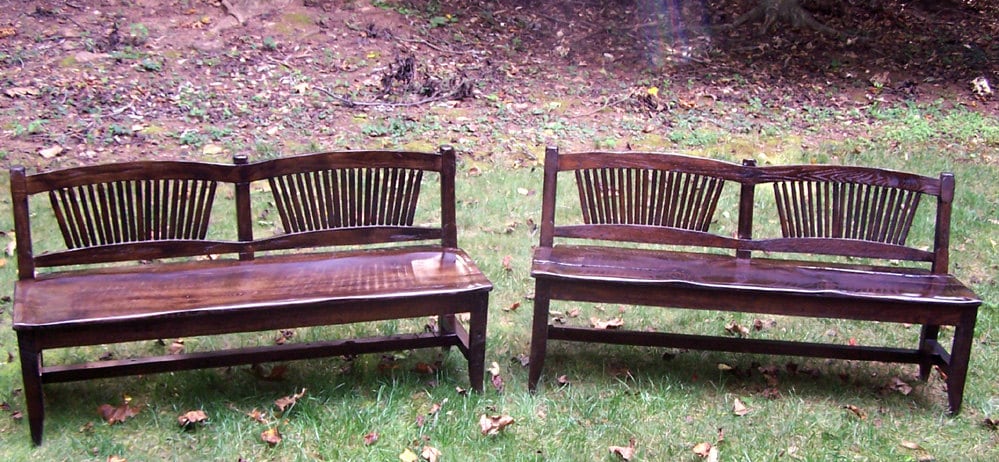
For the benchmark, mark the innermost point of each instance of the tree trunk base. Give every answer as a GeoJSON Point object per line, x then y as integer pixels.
{"type": "Point", "coordinates": [771, 12]}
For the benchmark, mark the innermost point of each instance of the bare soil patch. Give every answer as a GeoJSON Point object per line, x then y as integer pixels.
{"type": "Point", "coordinates": [108, 80]}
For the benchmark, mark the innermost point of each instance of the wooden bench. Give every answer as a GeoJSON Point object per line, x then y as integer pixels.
{"type": "Point", "coordinates": [149, 254]}
{"type": "Point", "coordinates": [627, 201]}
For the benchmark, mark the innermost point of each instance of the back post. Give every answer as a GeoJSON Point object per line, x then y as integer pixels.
{"type": "Point", "coordinates": [941, 238]}
{"type": "Point", "coordinates": [449, 227]}
{"type": "Point", "coordinates": [244, 218]}
{"type": "Point", "coordinates": [747, 197]}
{"type": "Point", "coordinates": [22, 223]}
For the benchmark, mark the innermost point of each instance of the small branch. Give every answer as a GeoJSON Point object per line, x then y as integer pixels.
{"type": "Point", "coordinates": [346, 102]}
{"type": "Point", "coordinates": [233, 11]}
{"type": "Point", "coordinates": [609, 103]}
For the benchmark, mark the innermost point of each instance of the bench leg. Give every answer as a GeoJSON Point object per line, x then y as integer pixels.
{"type": "Point", "coordinates": [928, 333]}
{"type": "Point", "coordinates": [31, 361]}
{"type": "Point", "coordinates": [446, 326]}
{"type": "Point", "coordinates": [539, 335]}
{"type": "Point", "coordinates": [477, 342]}
{"type": "Point", "coordinates": [960, 354]}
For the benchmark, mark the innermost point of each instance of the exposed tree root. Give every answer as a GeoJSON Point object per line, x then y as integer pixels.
{"type": "Point", "coordinates": [770, 12]}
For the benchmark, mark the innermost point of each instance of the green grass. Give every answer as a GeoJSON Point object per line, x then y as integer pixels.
{"type": "Point", "coordinates": [667, 400]}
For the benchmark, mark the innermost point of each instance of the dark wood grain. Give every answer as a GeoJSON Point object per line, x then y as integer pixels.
{"type": "Point", "coordinates": [183, 283]}
{"type": "Point", "coordinates": [822, 210]}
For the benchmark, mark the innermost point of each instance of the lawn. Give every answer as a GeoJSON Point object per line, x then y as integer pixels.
{"type": "Point", "coordinates": [276, 87]}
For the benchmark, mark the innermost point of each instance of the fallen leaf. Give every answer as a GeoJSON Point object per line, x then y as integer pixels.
{"type": "Point", "coordinates": [991, 423]}
{"type": "Point", "coordinates": [17, 92]}
{"type": "Point", "coordinates": [856, 411]}
{"type": "Point", "coordinates": [192, 417]}
{"type": "Point", "coordinates": [113, 415]}
{"type": "Point", "coordinates": [288, 401]}
{"type": "Point", "coordinates": [512, 307]}
{"type": "Point", "coordinates": [11, 246]}
{"type": "Point", "coordinates": [274, 375]}
{"type": "Point", "coordinates": [736, 329]}
{"type": "Point", "coordinates": [497, 381]}
{"type": "Point", "coordinates": [51, 151]}
{"type": "Point", "coordinates": [257, 416]}
{"type": "Point", "coordinates": [624, 452]}
{"type": "Point", "coordinates": [562, 380]}
{"type": "Point", "coordinates": [271, 436]}
{"type": "Point", "coordinates": [508, 263]}
{"type": "Point", "coordinates": [408, 456]}
{"type": "Point", "coordinates": [725, 367]}
{"type": "Point", "coordinates": [739, 408]}
{"type": "Point", "coordinates": [114, 458]}
{"type": "Point", "coordinates": [211, 149]}
{"type": "Point", "coordinates": [430, 454]}
{"type": "Point", "coordinates": [177, 347]}
{"type": "Point", "coordinates": [702, 449]}
{"type": "Point", "coordinates": [494, 424]}
{"type": "Point", "coordinates": [910, 445]}
{"type": "Point", "coordinates": [370, 438]}
{"type": "Point", "coordinates": [608, 324]}
{"type": "Point", "coordinates": [900, 386]}
{"type": "Point", "coordinates": [434, 408]}
{"type": "Point", "coordinates": [424, 368]}
{"type": "Point", "coordinates": [573, 313]}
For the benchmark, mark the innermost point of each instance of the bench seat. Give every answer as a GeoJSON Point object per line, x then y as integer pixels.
{"type": "Point", "coordinates": [674, 270]}
{"type": "Point", "coordinates": [202, 289]}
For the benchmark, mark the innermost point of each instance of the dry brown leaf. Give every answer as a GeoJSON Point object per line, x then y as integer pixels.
{"type": "Point", "coordinates": [430, 454]}
{"type": "Point", "coordinates": [497, 381]}
{"type": "Point", "coordinates": [177, 347]}
{"type": "Point", "coordinates": [271, 436]}
{"type": "Point", "coordinates": [573, 313]}
{"type": "Point", "coordinates": [900, 386]}
{"type": "Point", "coordinates": [192, 417]}
{"type": "Point", "coordinates": [911, 445]}
{"type": "Point", "coordinates": [50, 151]}
{"type": "Point", "coordinates": [508, 263]}
{"type": "Point", "coordinates": [288, 401]}
{"type": "Point", "coordinates": [608, 324]}
{"type": "Point", "coordinates": [702, 449]}
{"type": "Point", "coordinates": [424, 368]}
{"type": "Point", "coordinates": [739, 408]}
{"type": "Point", "coordinates": [370, 438]}
{"type": "Point", "coordinates": [736, 329]}
{"type": "Point", "coordinates": [408, 455]}
{"type": "Point", "coordinates": [624, 452]}
{"type": "Point", "coordinates": [257, 416]}
{"type": "Point", "coordinates": [512, 307]}
{"type": "Point", "coordinates": [856, 411]}
{"type": "Point", "coordinates": [113, 415]}
{"type": "Point", "coordinates": [114, 458]}
{"type": "Point", "coordinates": [276, 373]}
{"type": "Point", "coordinates": [562, 380]}
{"type": "Point", "coordinates": [491, 425]}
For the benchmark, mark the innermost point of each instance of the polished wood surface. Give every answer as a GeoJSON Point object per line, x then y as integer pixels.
{"type": "Point", "coordinates": [725, 272]}
{"type": "Point", "coordinates": [629, 200]}
{"type": "Point", "coordinates": [186, 289]}
{"type": "Point", "coordinates": [152, 269]}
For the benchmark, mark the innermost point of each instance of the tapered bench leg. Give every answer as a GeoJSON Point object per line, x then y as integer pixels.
{"type": "Point", "coordinates": [31, 361]}
{"type": "Point", "coordinates": [477, 342]}
{"type": "Point", "coordinates": [960, 354]}
{"type": "Point", "coordinates": [446, 326]}
{"type": "Point", "coordinates": [928, 333]}
{"type": "Point", "coordinates": [539, 335]}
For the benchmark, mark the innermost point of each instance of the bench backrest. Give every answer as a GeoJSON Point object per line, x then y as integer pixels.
{"type": "Point", "coordinates": [672, 199]}
{"type": "Point", "coordinates": [163, 209]}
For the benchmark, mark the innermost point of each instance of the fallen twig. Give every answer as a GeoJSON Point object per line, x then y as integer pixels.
{"type": "Point", "coordinates": [347, 102]}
